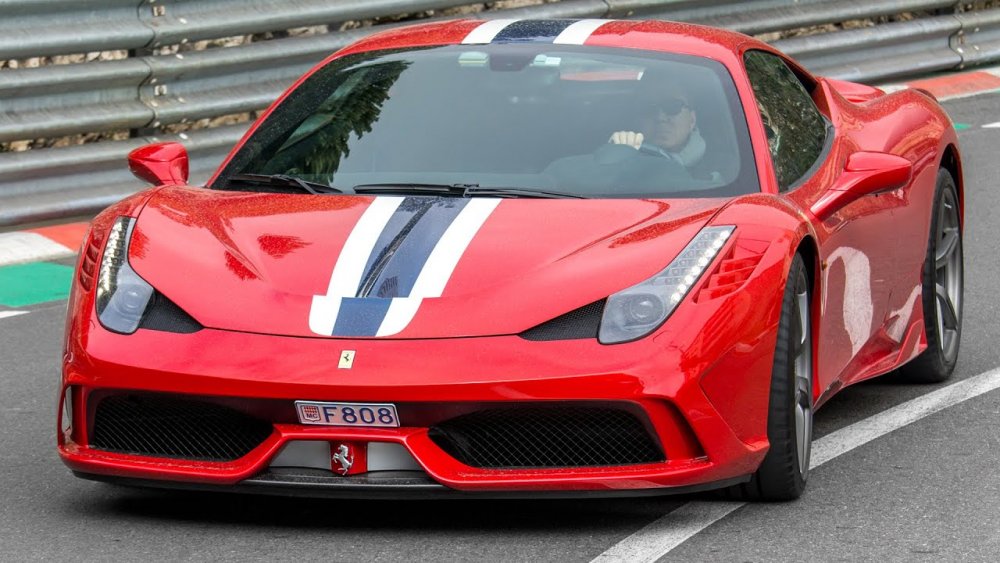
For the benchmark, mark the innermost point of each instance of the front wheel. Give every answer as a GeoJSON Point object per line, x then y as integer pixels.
{"type": "Point", "coordinates": [783, 473]}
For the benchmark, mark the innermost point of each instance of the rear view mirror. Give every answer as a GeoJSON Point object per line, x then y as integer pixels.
{"type": "Point", "coordinates": [160, 163]}
{"type": "Point", "coordinates": [865, 173]}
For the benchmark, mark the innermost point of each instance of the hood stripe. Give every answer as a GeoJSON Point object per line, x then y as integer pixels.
{"type": "Point", "coordinates": [579, 32]}
{"type": "Point", "coordinates": [440, 264]}
{"type": "Point", "coordinates": [360, 316]}
{"type": "Point", "coordinates": [350, 264]}
{"type": "Point", "coordinates": [543, 31]}
{"type": "Point", "coordinates": [405, 244]}
{"type": "Point", "coordinates": [411, 244]}
{"type": "Point", "coordinates": [486, 32]}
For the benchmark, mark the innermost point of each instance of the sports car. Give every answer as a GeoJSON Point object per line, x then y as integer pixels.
{"type": "Point", "coordinates": [510, 258]}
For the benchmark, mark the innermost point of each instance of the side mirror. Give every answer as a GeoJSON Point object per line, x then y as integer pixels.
{"type": "Point", "coordinates": [160, 163]}
{"type": "Point", "coordinates": [865, 173]}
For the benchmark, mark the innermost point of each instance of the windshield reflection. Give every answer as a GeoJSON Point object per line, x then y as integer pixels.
{"type": "Point", "coordinates": [563, 119]}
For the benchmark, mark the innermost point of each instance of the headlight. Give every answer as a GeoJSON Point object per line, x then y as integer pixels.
{"type": "Point", "coordinates": [122, 296]}
{"type": "Point", "coordinates": [635, 312]}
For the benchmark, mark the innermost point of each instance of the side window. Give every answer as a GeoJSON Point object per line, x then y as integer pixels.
{"type": "Point", "coordinates": [796, 132]}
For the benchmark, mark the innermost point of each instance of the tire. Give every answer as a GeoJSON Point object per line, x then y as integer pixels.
{"type": "Point", "coordinates": [942, 288]}
{"type": "Point", "coordinates": [783, 473]}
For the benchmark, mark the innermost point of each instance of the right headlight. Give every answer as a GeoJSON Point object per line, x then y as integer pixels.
{"type": "Point", "coordinates": [122, 296]}
{"type": "Point", "coordinates": [639, 310]}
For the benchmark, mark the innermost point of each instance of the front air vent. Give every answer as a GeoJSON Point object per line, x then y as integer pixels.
{"type": "Point", "coordinates": [575, 325]}
{"type": "Point", "coordinates": [556, 436]}
{"type": "Point", "coordinates": [164, 315]}
{"type": "Point", "coordinates": [159, 426]}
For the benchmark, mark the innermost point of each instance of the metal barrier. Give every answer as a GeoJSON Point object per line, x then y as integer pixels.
{"type": "Point", "coordinates": [153, 88]}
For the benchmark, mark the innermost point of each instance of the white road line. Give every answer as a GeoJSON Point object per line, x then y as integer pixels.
{"type": "Point", "coordinates": [671, 530]}
{"type": "Point", "coordinates": [8, 314]}
{"type": "Point", "coordinates": [992, 125]}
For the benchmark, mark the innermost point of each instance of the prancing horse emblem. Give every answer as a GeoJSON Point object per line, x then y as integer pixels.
{"type": "Point", "coordinates": [346, 359]}
{"type": "Point", "coordinates": [344, 457]}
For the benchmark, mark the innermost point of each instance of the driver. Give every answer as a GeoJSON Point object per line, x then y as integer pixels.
{"type": "Point", "coordinates": [668, 127]}
{"type": "Point", "coordinates": [669, 155]}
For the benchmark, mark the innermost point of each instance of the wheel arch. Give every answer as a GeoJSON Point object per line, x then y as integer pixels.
{"type": "Point", "coordinates": [951, 161]}
{"type": "Point", "coordinates": [808, 249]}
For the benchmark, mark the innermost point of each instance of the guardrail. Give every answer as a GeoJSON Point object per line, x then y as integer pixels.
{"type": "Point", "coordinates": [155, 87]}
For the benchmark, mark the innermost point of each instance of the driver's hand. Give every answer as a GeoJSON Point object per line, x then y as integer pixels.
{"type": "Point", "coordinates": [630, 138]}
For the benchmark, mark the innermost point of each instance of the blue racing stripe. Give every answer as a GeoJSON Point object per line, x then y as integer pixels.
{"type": "Point", "coordinates": [398, 257]}
{"type": "Point", "coordinates": [405, 245]}
{"type": "Point", "coordinates": [408, 212]}
{"type": "Point", "coordinates": [525, 31]}
{"type": "Point", "coordinates": [360, 316]}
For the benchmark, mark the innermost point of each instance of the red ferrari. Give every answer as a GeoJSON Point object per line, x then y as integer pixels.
{"type": "Point", "coordinates": [518, 258]}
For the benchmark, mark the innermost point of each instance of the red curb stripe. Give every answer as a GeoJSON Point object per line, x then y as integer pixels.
{"type": "Point", "coordinates": [958, 84]}
{"type": "Point", "coordinates": [69, 235]}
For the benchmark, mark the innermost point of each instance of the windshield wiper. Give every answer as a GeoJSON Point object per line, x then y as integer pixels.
{"type": "Point", "coordinates": [521, 192]}
{"type": "Point", "coordinates": [459, 190]}
{"type": "Point", "coordinates": [282, 180]}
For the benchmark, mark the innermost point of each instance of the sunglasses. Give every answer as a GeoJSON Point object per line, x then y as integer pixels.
{"type": "Point", "coordinates": [668, 106]}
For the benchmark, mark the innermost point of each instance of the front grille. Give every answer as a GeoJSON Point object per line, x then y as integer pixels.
{"type": "Point", "coordinates": [547, 436]}
{"type": "Point", "coordinates": [174, 427]}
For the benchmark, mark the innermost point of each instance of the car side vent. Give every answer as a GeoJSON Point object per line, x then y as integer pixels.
{"type": "Point", "coordinates": [575, 325]}
{"type": "Point", "coordinates": [164, 315]}
{"type": "Point", "coordinates": [733, 270]}
{"type": "Point", "coordinates": [88, 267]}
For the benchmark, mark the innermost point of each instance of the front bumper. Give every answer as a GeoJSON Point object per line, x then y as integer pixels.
{"type": "Point", "coordinates": [709, 417]}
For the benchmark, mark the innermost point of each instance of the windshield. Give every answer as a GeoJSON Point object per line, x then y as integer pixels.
{"type": "Point", "coordinates": [603, 123]}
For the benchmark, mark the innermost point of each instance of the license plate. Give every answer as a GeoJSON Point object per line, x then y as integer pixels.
{"type": "Point", "coordinates": [347, 414]}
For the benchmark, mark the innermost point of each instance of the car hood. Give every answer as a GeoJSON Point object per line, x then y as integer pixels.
{"type": "Point", "coordinates": [399, 267]}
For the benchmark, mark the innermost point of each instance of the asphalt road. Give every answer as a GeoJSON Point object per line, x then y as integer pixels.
{"type": "Point", "coordinates": [929, 491]}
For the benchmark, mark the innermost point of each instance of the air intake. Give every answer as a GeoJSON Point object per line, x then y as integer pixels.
{"type": "Point", "coordinates": [173, 427]}
{"type": "Point", "coordinates": [547, 436]}
{"type": "Point", "coordinates": [575, 325]}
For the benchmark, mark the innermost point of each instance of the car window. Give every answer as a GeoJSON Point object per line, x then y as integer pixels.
{"type": "Point", "coordinates": [536, 116]}
{"type": "Point", "coordinates": [796, 131]}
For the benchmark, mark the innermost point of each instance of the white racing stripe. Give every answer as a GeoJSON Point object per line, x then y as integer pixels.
{"type": "Point", "coordinates": [440, 264]}
{"type": "Point", "coordinates": [578, 32]}
{"type": "Point", "coordinates": [671, 530]}
{"type": "Point", "coordinates": [351, 264]}
{"type": "Point", "coordinates": [486, 32]}
{"type": "Point", "coordinates": [8, 314]}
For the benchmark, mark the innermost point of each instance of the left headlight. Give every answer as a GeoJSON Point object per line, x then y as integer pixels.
{"type": "Point", "coordinates": [635, 312]}
{"type": "Point", "coordinates": [122, 296]}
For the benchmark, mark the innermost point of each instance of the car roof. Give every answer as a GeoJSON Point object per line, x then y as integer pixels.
{"type": "Point", "coordinates": [652, 35]}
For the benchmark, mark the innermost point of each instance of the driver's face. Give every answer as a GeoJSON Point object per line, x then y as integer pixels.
{"type": "Point", "coordinates": [670, 125]}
